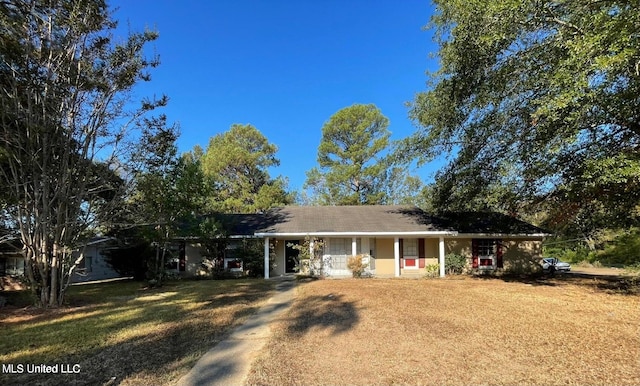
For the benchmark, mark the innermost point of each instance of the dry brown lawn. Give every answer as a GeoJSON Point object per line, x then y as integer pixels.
{"type": "Point", "coordinates": [467, 331]}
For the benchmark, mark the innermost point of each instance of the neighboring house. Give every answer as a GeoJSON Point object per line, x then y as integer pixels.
{"type": "Point", "coordinates": [396, 240]}
{"type": "Point", "coordinates": [11, 264]}
{"type": "Point", "coordinates": [92, 267]}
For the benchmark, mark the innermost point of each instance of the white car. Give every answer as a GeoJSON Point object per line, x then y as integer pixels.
{"type": "Point", "coordinates": [552, 264]}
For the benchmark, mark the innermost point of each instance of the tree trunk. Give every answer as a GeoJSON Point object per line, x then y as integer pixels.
{"type": "Point", "coordinates": [157, 270]}
{"type": "Point", "coordinates": [162, 260]}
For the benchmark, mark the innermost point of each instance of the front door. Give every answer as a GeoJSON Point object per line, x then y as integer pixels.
{"type": "Point", "coordinates": [291, 256]}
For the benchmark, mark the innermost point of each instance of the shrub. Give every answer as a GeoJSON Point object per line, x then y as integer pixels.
{"type": "Point", "coordinates": [432, 270]}
{"type": "Point", "coordinates": [356, 266]}
{"type": "Point", "coordinates": [304, 267]}
{"type": "Point", "coordinates": [623, 249]}
{"type": "Point", "coordinates": [253, 256]}
{"type": "Point", "coordinates": [455, 263]}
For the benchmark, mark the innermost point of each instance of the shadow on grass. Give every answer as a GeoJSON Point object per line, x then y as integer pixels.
{"type": "Point", "coordinates": [622, 285]}
{"type": "Point", "coordinates": [130, 334]}
{"type": "Point", "coordinates": [329, 312]}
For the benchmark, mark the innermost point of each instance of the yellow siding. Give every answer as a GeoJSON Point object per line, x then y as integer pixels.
{"type": "Point", "coordinates": [459, 246]}
{"type": "Point", "coordinates": [384, 249]}
{"type": "Point", "coordinates": [522, 255]}
{"type": "Point", "coordinates": [519, 255]}
{"type": "Point", "coordinates": [431, 247]}
{"type": "Point", "coordinates": [430, 261]}
{"type": "Point", "coordinates": [280, 246]}
{"type": "Point", "coordinates": [384, 259]}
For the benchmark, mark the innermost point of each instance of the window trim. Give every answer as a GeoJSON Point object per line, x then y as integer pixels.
{"type": "Point", "coordinates": [407, 246]}
{"type": "Point", "coordinates": [480, 247]}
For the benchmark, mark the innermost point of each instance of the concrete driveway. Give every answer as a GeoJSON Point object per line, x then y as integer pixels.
{"type": "Point", "coordinates": [601, 271]}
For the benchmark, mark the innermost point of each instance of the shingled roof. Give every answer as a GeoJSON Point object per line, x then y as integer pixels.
{"type": "Point", "coordinates": [344, 219]}
{"type": "Point", "coordinates": [374, 219]}
{"type": "Point", "coordinates": [489, 223]}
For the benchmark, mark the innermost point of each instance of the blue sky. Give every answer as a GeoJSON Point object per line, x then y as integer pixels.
{"type": "Point", "coordinates": [283, 66]}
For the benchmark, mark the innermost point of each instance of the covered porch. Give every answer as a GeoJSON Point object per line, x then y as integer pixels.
{"type": "Point", "coordinates": [387, 254]}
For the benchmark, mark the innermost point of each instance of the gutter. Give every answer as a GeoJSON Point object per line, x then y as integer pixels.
{"type": "Point", "coordinates": [504, 235]}
{"type": "Point", "coordinates": [351, 234]}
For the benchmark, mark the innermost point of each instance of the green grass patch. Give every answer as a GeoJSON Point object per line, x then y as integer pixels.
{"type": "Point", "coordinates": [126, 331]}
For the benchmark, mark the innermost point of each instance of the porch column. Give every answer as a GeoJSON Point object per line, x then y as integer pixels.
{"type": "Point", "coordinates": [441, 256]}
{"type": "Point", "coordinates": [266, 257]}
{"type": "Point", "coordinates": [396, 255]}
{"type": "Point", "coordinates": [354, 246]}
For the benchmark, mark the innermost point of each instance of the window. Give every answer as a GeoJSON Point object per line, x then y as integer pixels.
{"type": "Point", "coordinates": [86, 264]}
{"type": "Point", "coordinates": [486, 247]}
{"type": "Point", "coordinates": [410, 247]}
{"type": "Point", "coordinates": [487, 253]}
{"type": "Point", "coordinates": [343, 246]}
{"type": "Point", "coordinates": [172, 263]}
{"type": "Point", "coordinates": [340, 246]}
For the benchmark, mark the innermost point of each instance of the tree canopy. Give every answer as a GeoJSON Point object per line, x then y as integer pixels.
{"type": "Point", "coordinates": [537, 102]}
{"type": "Point", "coordinates": [236, 165]}
{"type": "Point", "coordinates": [354, 165]}
{"type": "Point", "coordinates": [348, 157]}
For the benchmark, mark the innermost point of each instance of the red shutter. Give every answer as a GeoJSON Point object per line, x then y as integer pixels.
{"type": "Point", "coordinates": [474, 253]}
{"type": "Point", "coordinates": [401, 248]}
{"type": "Point", "coordinates": [421, 248]}
{"type": "Point", "coordinates": [499, 253]}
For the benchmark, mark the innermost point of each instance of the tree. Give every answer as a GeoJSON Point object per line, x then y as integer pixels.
{"type": "Point", "coordinates": [353, 167]}
{"type": "Point", "coordinates": [157, 199]}
{"type": "Point", "coordinates": [537, 102]}
{"type": "Point", "coordinates": [235, 166]}
{"type": "Point", "coordinates": [400, 187]}
{"type": "Point", "coordinates": [65, 125]}
{"type": "Point", "coordinates": [167, 199]}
